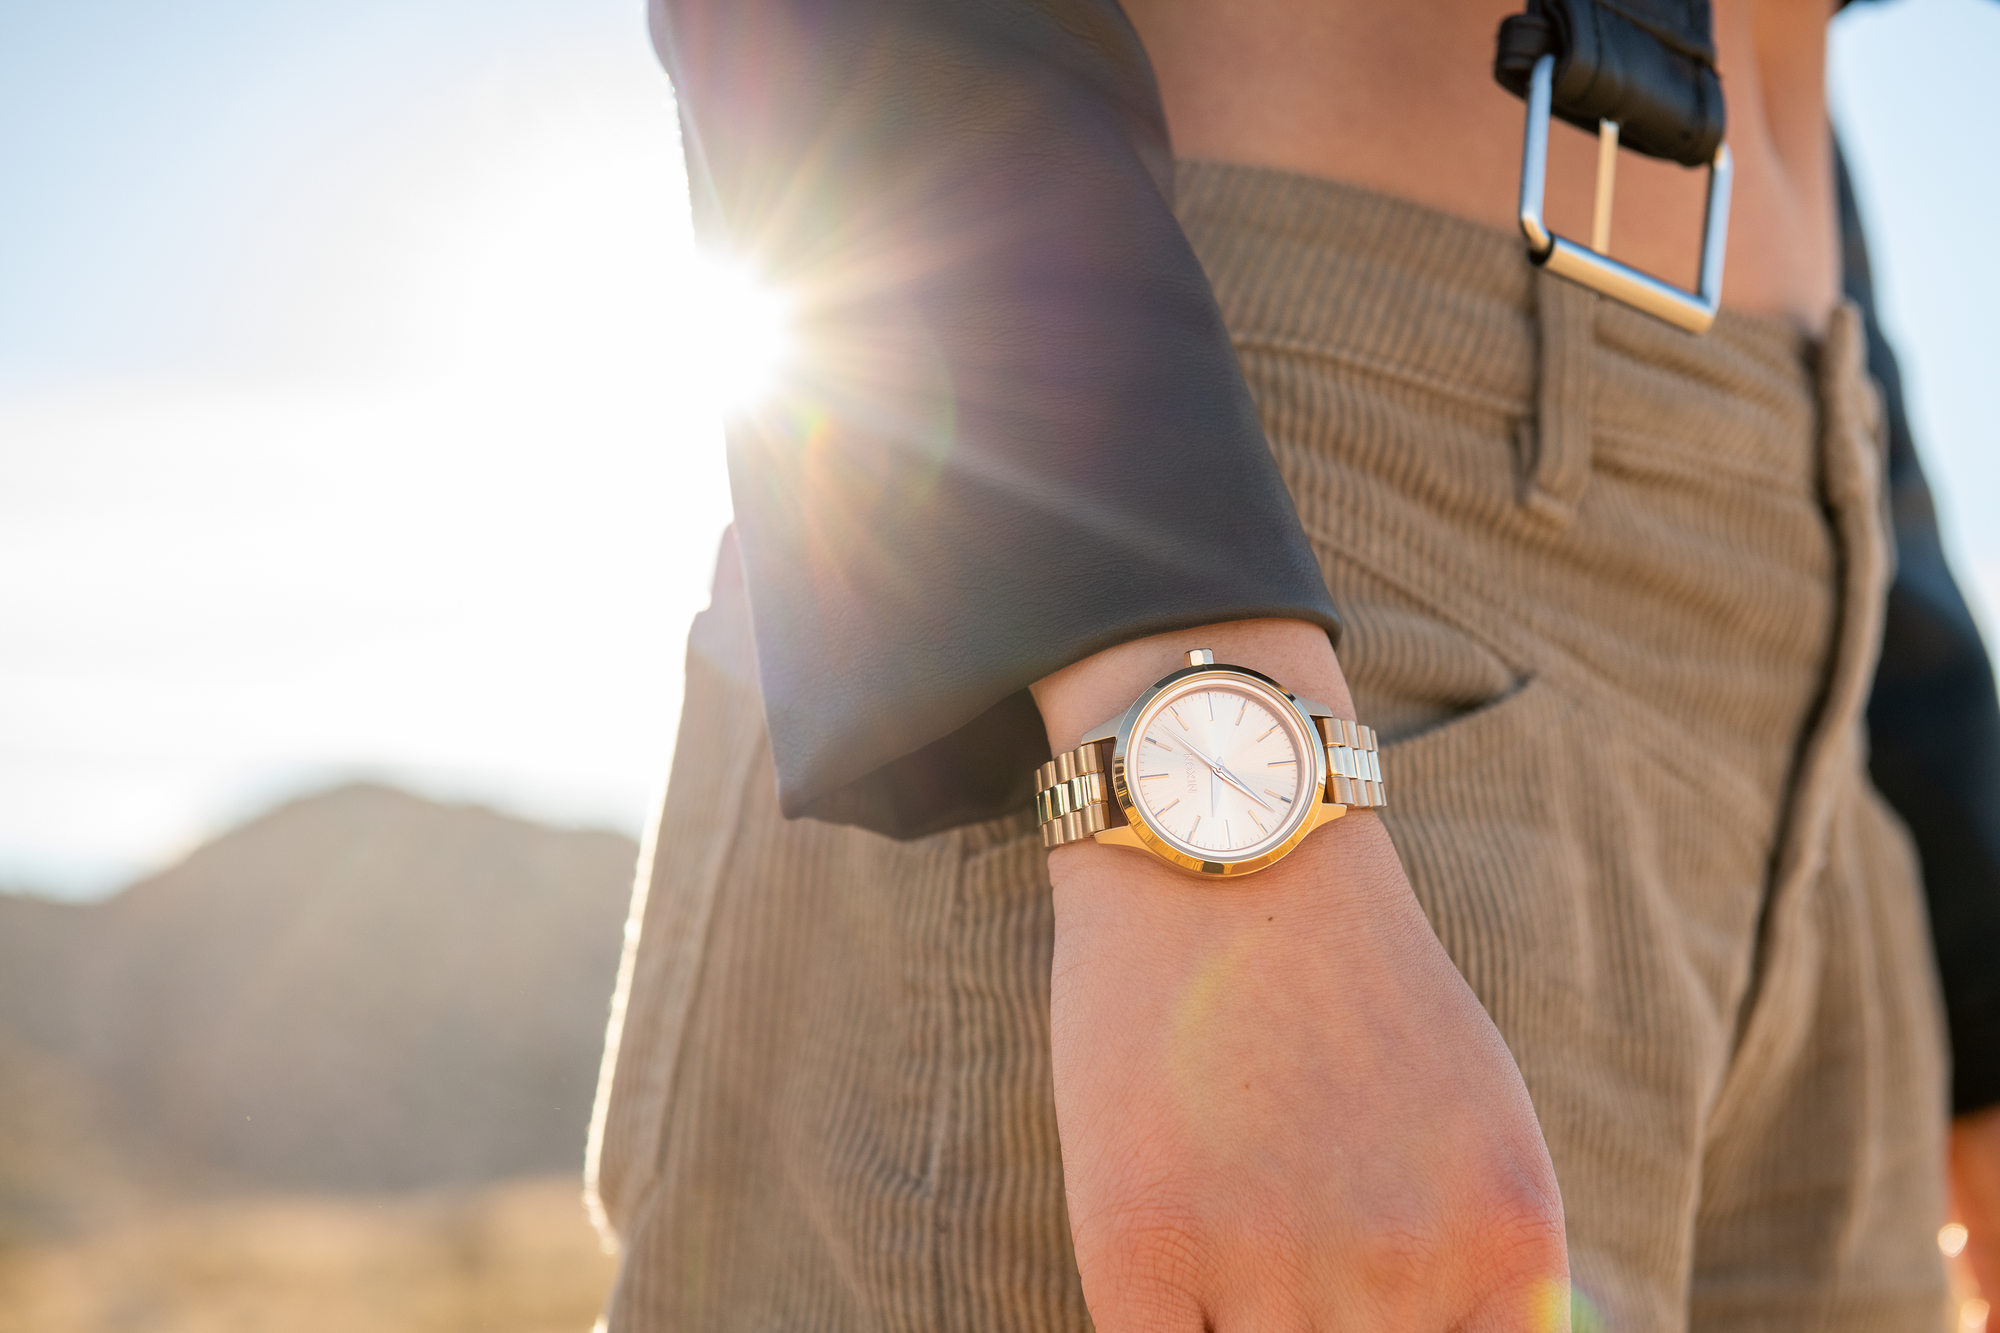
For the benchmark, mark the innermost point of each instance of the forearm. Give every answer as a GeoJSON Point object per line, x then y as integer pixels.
{"type": "Point", "coordinates": [1251, 1075]}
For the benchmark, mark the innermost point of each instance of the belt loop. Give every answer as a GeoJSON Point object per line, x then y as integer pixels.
{"type": "Point", "coordinates": [1555, 446]}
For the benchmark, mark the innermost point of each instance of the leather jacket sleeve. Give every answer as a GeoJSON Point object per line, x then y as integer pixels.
{"type": "Point", "coordinates": [1934, 725]}
{"type": "Point", "coordinates": [1015, 433]}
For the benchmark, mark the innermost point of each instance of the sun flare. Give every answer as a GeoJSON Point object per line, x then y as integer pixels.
{"type": "Point", "coordinates": [740, 331]}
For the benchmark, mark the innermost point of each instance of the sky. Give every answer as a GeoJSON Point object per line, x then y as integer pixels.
{"type": "Point", "coordinates": [352, 418]}
{"type": "Point", "coordinates": [360, 389]}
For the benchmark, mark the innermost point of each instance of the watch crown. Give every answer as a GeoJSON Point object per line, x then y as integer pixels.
{"type": "Point", "coordinates": [1201, 657]}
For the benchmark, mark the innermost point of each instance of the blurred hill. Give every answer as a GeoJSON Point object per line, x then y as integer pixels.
{"type": "Point", "coordinates": [359, 991]}
{"type": "Point", "coordinates": [58, 1171]}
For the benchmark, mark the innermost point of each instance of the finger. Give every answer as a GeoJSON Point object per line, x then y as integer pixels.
{"type": "Point", "coordinates": [1975, 1190]}
{"type": "Point", "coordinates": [1982, 1256]}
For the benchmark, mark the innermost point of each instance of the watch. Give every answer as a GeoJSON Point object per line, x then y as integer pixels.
{"type": "Point", "coordinates": [1216, 769]}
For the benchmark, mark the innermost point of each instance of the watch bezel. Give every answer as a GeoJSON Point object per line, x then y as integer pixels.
{"type": "Point", "coordinates": [1156, 841]}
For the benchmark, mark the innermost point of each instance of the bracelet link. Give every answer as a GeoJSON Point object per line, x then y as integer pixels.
{"type": "Point", "coordinates": [1073, 794]}
{"type": "Point", "coordinates": [1354, 767]}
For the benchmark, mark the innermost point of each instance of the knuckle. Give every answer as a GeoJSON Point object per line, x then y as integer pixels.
{"type": "Point", "coordinates": [1525, 1224]}
{"type": "Point", "coordinates": [1143, 1271]}
{"type": "Point", "coordinates": [1502, 1240]}
{"type": "Point", "coordinates": [1399, 1256]}
{"type": "Point", "coordinates": [1522, 1254]}
{"type": "Point", "coordinates": [1142, 1245]}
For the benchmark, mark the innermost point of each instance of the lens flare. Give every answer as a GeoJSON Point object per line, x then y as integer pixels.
{"type": "Point", "coordinates": [1548, 1307]}
{"type": "Point", "coordinates": [739, 332]}
{"type": "Point", "coordinates": [1584, 1316]}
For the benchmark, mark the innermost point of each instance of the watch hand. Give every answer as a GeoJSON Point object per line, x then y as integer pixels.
{"type": "Point", "coordinates": [1197, 753]}
{"type": "Point", "coordinates": [1237, 783]}
{"type": "Point", "coordinates": [1219, 771]}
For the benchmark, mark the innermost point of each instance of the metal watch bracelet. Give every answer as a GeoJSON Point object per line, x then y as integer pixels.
{"type": "Point", "coordinates": [1073, 798]}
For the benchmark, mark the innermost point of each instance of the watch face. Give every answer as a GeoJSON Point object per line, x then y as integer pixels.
{"type": "Point", "coordinates": [1220, 768]}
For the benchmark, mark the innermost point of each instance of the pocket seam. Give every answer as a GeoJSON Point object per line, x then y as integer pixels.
{"type": "Point", "coordinates": [1408, 763]}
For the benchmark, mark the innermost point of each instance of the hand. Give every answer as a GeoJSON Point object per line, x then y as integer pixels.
{"type": "Point", "coordinates": [1975, 1194]}
{"type": "Point", "coordinates": [1280, 1105]}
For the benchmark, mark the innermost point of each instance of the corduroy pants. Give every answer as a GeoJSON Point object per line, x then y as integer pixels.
{"type": "Point", "coordinates": [1612, 597]}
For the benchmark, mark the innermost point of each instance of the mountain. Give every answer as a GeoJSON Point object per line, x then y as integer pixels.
{"type": "Point", "coordinates": [360, 990]}
{"type": "Point", "coordinates": [58, 1169]}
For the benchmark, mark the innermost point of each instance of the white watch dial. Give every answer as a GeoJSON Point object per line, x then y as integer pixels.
{"type": "Point", "coordinates": [1219, 769]}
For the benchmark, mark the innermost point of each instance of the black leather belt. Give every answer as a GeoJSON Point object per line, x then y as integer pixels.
{"type": "Point", "coordinates": [1642, 74]}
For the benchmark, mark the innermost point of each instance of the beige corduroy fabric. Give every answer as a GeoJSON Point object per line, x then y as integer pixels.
{"type": "Point", "coordinates": [1612, 593]}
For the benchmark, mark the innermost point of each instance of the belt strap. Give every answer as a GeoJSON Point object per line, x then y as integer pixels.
{"type": "Point", "coordinates": [1647, 65]}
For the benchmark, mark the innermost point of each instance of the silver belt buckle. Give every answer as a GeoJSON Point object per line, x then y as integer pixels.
{"type": "Point", "coordinates": [1591, 266]}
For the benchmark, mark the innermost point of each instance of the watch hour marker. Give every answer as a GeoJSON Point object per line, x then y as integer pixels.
{"type": "Point", "coordinates": [1280, 795]}
{"type": "Point", "coordinates": [1280, 763]}
{"type": "Point", "coordinates": [1170, 805]}
{"type": "Point", "coordinates": [1274, 726]}
{"type": "Point", "coordinates": [1175, 710]}
{"type": "Point", "coordinates": [1163, 745]}
{"type": "Point", "coordinates": [1261, 830]}
{"type": "Point", "coordinates": [1228, 838]}
{"type": "Point", "coordinates": [1148, 777]}
{"type": "Point", "coordinates": [1192, 827]}
{"type": "Point", "coordinates": [1241, 711]}
{"type": "Point", "coordinates": [1211, 706]}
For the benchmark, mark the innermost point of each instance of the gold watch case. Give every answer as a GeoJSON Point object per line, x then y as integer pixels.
{"type": "Point", "coordinates": [1139, 831]}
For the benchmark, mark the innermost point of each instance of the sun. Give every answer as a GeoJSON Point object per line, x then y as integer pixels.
{"type": "Point", "coordinates": [740, 332]}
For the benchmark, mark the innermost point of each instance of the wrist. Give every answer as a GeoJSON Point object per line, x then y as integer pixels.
{"type": "Point", "coordinates": [1342, 881]}
{"type": "Point", "coordinates": [1100, 687]}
